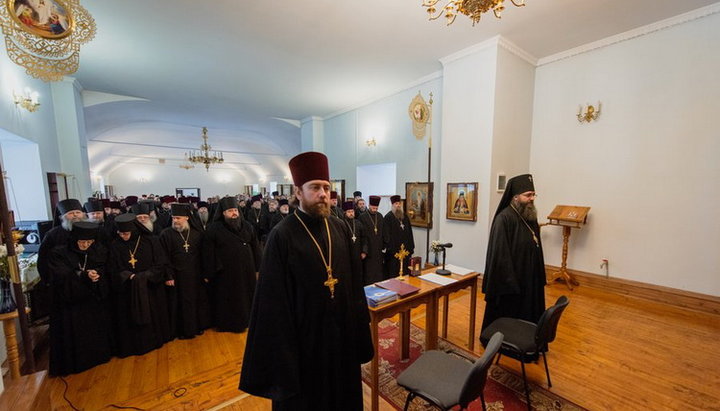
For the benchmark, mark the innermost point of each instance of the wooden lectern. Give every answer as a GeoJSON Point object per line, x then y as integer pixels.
{"type": "Point", "coordinates": [567, 217]}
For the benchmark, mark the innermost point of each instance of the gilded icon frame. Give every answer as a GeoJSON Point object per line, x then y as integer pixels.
{"type": "Point", "coordinates": [419, 209]}
{"type": "Point", "coordinates": [455, 208]}
{"type": "Point", "coordinates": [61, 9]}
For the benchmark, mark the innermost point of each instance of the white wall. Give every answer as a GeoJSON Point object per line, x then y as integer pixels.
{"type": "Point", "coordinates": [21, 162]}
{"type": "Point", "coordinates": [136, 179]}
{"type": "Point", "coordinates": [649, 167]}
{"type": "Point", "coordinates": [387, 121]}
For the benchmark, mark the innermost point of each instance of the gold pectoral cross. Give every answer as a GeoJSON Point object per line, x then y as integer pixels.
{"type": "Point", "coordinates": [330, 283]}
{"type": "Point", "coordinates": [132, 260]}
{"type": "Point", "coordinates": [186, 246]}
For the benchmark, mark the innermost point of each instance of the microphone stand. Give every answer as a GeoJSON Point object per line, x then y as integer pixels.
{"type": "Point", "coordinates": [443, 271]}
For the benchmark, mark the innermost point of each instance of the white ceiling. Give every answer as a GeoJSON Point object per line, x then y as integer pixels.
{"type": "Point", "coordinates": [238, 67]}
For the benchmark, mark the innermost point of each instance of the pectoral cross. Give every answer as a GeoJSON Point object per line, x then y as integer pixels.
{"type": "Point", "coordinates": [354, 238]}
{"type": "Point", "coordinates": [132, 261]}
{"type": "Point", "coordinates": [186, 246]}
{"type": "Point", "coordinates": [375, 230]}
{"type": "Point", "coordinates": [330, 283]}
{"type": "Point", "coordinates": [400, 255]}
{"type": "Point", "coordinates": [402, 226]}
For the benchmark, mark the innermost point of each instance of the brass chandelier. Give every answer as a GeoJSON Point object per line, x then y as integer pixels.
{"type": "Point", "coordinates": [471, 8]}
{"type": "Point", "coordinates": [203, 156]}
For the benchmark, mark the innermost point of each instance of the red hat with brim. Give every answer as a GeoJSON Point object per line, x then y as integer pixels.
{"type": "Point", "coordinates": [309, 166]}
{"type": "Point", "coordinates": [375, 201]}
{"type": "Point", "coordinates": [333, 195]}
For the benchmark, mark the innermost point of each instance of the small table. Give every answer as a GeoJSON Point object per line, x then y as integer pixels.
{"type": "Point", "coordinates": [13, 356]}
{"type": "Point", "coordinates": [429, 294]}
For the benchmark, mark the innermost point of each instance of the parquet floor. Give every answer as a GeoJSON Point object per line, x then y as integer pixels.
{"type": "Point", "coordinates": [612, 353]}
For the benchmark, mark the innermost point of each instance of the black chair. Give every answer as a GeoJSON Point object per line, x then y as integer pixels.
{"type": "Point", "coordinates": [446, 380]}
{"type": "Point", "coordinates": [524, 340]}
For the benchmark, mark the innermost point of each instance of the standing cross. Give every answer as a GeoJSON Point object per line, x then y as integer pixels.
{"type": "Point", "coordinates": [400, 255]}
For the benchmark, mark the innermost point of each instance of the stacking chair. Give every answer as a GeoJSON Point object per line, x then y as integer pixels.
{"type": "Point", "coordinates": [524, 340]}
{"type": "Point", "coordinates": [446, 380]}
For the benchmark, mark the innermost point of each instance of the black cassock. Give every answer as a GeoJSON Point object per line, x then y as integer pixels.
{"type": "Point", "coordinates": [231, 259]}
{"type": "Point", "coordinates": [374, 263]}
{"type": "Point", "coordinates": [304, 348]}
{"type": "Point", "coordinates": [189, 306]}
{"type": "Point", "coordinates": [276, 218]}
{"type": "Point", "coordinates": [256, 218]}
{"type": "Point", "coordinates": [514, 278]}
{"type": "Point", "coordinates": [395, 235]}
{"type": "Point", "coordinates": [360, 244]}
{"type": "Point", "coordinates": [140, 305]}
{"type": "Point", "coordinates": [53, 238]}
{"type": "Point", "coordinates": [80, 321]}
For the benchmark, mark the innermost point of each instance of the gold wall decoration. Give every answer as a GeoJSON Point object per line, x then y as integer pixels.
{"type": "Point", "coordinates": [590, 114]}
{"type": "Point", "coordinates": [44, 36]}
{"type": "Point", "coordinates": [419, 113]}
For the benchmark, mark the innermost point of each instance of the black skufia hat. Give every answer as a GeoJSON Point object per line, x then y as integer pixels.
{"type": "Point", "coordinates": [126, 222]}
{"type": "Point", "coordinates": [141, 208]}
{"type": "Point", "coordinates": [68, 205]}
{"type": "Point", "coordinates": [180, 210]}
{"type": "Point", "coordinates": [94, 205]}
{"type": "Point", "coordinates": [83, 230]}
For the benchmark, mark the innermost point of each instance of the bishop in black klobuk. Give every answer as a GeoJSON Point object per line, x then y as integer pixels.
{"type": "Point", "coordinates": [514, 277]}
{"type": "Point", "coordinates": [309, 330]}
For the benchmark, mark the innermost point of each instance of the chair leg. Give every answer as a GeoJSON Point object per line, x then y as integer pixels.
{"type": "Point", "coordinates": [482, 401]}
{"type": "Point", "coordinates": [527, 390]}
{"type": "Point", "coordinates": [497, 361]}
{"type": "Point", "coordinates": [547, 370]}
{"type": "Point", "coordinates": [408, 400]}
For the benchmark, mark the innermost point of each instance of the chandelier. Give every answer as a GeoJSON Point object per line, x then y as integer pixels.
{"type": "Point", "coordinates": [203, 156]}
{"type": "Point", "coordinates": [471, 8]}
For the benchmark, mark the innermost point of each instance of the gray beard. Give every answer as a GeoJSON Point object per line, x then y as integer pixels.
{"type": "Point", "coordinates": [399, 214]}
{"type": "Point", "coordinates": [68, 224]}
{"type": "Point", "coordinates": [527, 211]}
{"type": "Point", "coordinates": [153, 218]}
{"type": "Point", "coordinates": [184, 227]}
{"type": "Point", "coordinates": [203, 217]}
{"type": "Point", "coordinates": [148, 225]}
{"type": "Point", "coordinates": [96, 221]}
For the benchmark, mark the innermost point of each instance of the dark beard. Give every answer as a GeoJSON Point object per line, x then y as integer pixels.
{"type": "Point", "coordinates": [527, 211]}
{"type": "Point", "coordinates": [319, 210]}
{"type": "Point", "coordinates": [399, 214]}
{"type": "Point", "coordinates": [233, 223]}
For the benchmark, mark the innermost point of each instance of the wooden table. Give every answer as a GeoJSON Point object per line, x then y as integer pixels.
{"type": "Point", "coordinates": [429, 294]}
{"type": "Point", "coordinates": [13, 356]}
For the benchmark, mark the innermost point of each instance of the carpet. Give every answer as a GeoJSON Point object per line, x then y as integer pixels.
{"type": "Point", "coordinates": [503, 391]}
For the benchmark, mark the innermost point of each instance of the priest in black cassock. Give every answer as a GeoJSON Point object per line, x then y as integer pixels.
{"type": "Point", "coordinates": [335, 210]}
{"type": "Point", "coordinates": [144, 211]}
{"type": "Point", "coordinates": [255, 214]}
{"type": "Point", "coordinates": [188, 296]}
{"type": "Point", "coordinates": [358, 232]}
{"type": "Point", "coordinates": [231, 255]}
{"type": "Point", "coordinates": [80, 322]}
{"type": "Point", "coordinates": [203, 214]}
{"type": "Point", "coordinates": [283, 210]}
{"type": "Point", "coordinates": [514, 279]}
{"type": "Point", "coordinates": [374, 263]}
{"type": "Point", "coordinates": [398, 232]}
{"type": "Point", "coordinates": [137, 268]}
{"type": "Point", "coordinates": [309, 330]}
{"type": "Point", "coordinates": [67, 213]}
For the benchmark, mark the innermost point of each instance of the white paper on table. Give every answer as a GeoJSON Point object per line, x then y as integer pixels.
{"type": "Point", "coordinates": [458, 270]}
{"type": "Point", "coordinates": [437, 279]}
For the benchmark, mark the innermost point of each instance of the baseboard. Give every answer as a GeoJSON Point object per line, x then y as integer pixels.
{"type": "Point", "coordinates": [672, 296]}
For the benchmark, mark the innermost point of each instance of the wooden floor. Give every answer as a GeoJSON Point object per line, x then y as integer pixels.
{"type": "Point", "coordinates": [612, 353]}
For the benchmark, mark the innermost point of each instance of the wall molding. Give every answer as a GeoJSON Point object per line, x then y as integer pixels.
{"type": "Point", "coordinates": [631, 34]}
{"type": "Point", "coordinates": [661, 294]}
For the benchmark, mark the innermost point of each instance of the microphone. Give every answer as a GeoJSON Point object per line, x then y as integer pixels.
{"type": "Point", "coordinates": [446, 245]}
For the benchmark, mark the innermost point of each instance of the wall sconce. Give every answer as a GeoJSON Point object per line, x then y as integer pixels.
{"type": "Point", "coordinates": [28, 100]}
{"type": "Point", "coordinates": [371, 142]}
{"type": "Point", "coordinates": [590, 113]}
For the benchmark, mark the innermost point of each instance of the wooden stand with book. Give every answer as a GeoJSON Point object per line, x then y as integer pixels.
{"type": "Point", "coordinates": [567, 217]}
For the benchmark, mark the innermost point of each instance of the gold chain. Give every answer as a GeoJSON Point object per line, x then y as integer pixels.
{"type": "Point", "coordinates": [186, 245]}
{"type": "Point", "coordinates": [330, 283]}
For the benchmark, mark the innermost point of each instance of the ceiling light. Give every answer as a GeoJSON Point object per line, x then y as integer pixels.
{"type": "Point", "coordinates": [471, 8]}
{"type": "Point", "coordinates": [27, 100]}
{"type": "Point", "coordinates": [203, 156]}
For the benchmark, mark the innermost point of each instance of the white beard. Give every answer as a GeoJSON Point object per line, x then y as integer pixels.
{"type": "Point", "coordinates": [148, 225]}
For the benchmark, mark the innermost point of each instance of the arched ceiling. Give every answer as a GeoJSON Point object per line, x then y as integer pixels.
{"type": "Point", "coordinates": [238, 66]}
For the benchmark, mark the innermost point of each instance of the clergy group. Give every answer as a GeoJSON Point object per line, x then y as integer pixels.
{"type": "Point", "coordinates": [129, 274]}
